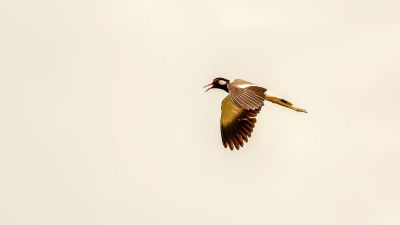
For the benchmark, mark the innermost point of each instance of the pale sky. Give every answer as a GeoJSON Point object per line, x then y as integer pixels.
{"type": "Point", "coordinates": [104, 120]}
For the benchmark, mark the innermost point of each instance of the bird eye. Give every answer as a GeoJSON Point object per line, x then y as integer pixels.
{"type": "Point", "coordinates": [222, 82]}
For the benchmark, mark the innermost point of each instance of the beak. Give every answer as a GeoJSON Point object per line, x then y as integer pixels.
{"type": "Point", "coordinates": [211, 84]}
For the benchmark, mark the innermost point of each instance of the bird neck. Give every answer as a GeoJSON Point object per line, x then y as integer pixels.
{"type": "Point", "coordinates": [225, 88]}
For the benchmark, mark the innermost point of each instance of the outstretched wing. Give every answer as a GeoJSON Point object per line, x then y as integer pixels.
{"type": "Point", "coordinates": [237, 123]}
{"type": "Point", "coordinates": [246, 95]}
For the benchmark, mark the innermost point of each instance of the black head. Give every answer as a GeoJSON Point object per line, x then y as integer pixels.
{"type": "Point", "coordinates": [220, 83]}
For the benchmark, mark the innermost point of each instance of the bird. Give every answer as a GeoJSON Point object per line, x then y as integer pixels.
{"type": "Point", "coordinates": [240, 108]}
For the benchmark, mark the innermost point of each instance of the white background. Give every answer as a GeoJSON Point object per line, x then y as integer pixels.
{"type": "Point", "coordinates": [104, 119]}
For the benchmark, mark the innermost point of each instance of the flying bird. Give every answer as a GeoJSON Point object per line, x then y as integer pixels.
{"type": "Point", "coordinates": [240, 108]}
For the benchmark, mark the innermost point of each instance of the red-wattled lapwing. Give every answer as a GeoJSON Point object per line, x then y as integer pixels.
{"type": "Point", "coordinates": [240, 107]}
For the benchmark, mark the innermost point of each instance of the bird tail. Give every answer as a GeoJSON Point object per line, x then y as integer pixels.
{"type": "Point", "coordinates": [280, 101]}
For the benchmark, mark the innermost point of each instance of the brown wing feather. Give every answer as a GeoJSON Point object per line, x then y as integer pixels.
{"type": "Point", "coordinates": [250, 98]}
{"type": "Point", "coordinates": [237, 124]}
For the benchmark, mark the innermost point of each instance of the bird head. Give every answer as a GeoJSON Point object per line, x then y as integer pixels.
{"type": "Point", "coordinates": [220, 83]}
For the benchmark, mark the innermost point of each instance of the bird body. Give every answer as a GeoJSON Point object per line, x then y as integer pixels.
{"type": "Point", "coordinates": [240, 108]}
